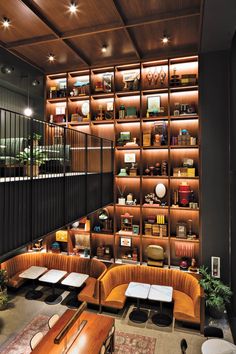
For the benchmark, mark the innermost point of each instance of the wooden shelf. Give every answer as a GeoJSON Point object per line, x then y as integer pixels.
{"type": "Point", "coordinates": [127, 93]}
{"type": "Point", "coordinates": [57, 100]}
{"type": "Point", "coordinates": [184, 208]}
{"type": "Point", "coordinates": [184, 117]}
{"type": "Point", "coordinates": [155, 147]}
{"type": "Point", "coordinates": [174, 238]}
{"type": "Point", "coordinates": [183, 88]}
{"type": "Point", "coordinates": [79, 98]}
{"type": "Point", "coordinates": [184, 147]}
{"type": "Point", "coordinates": [145, 156]}
{"type": "Point", "coordinates": [153, 119]}
{"type": "Point", "coordinates": [128, 120]}
{"type": "Point", "coordinates": [97, 122]}
{"type": "Point", "coordinates": [127, 147]}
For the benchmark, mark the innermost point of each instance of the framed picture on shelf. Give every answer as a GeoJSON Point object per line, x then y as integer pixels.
{"type": "Point", "coordinates": [129, 157]}
{"type": "Point", "coordinates": [136, 229]}
{"type": "Point", "coordinates": [125, 241]}
{"type": "Point", "coordinates": [153, 103]}
{"type": "Point", "coordinates": [215, 267]}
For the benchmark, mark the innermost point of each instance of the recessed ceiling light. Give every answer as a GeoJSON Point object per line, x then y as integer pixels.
{"type": "Point", "coordinates": [51, 57]}
{"type": "Point", "coordinates": [165, 39]}
{"type": "Point", "coordinates": [104, 48]}
{"type": "Point", "coordinates": [73, 8]}
{"type": "Point", "coordinates": [6, 22]}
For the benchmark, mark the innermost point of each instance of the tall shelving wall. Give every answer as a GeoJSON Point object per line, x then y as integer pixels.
{"type": "Point", "coordinates": [170, 93]}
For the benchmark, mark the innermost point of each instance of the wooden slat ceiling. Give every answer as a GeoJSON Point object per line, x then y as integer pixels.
{"type": "Point", "coordinates": [131, 29]}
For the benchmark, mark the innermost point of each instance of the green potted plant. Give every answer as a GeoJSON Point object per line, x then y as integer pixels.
{"type": "Point", "coordinates": [38, 158]}
{"type": "Point", "coordinates": [3, 289]}
{"type": "Point", "coordinates": [3, 301]}
{"type": "Point", "coordinates": [217, 294]}
{"type": "Point", "coordinates": [36, 137]}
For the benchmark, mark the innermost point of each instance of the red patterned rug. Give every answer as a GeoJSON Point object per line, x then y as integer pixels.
{"type": "Point", "coordinates": [21, 342]}
{"type": "Point", "coordinates": [125, 343]}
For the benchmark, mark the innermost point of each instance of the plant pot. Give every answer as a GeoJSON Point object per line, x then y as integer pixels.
{"type": "Point", "coordinates": [35, 170]}
{"type": "Point", "coordinates": [35, 143]}
{"type": "Point", "coordinates": [215, 312]}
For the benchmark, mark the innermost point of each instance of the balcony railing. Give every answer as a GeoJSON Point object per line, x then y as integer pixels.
{"type": "Point", "coordinates": [49, 177]}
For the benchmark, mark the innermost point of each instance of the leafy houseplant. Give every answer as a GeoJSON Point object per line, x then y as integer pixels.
{"type": "Point", "coordinates": [36, 137]}
{"type": "Point", "coordinates": [217, 294]}
{"type": "Point", "coordinates": [36, 158]}
{"type": "Point", "coordinates": [3, 280]}
{"type": "Point", "coordinates": [3, 289]}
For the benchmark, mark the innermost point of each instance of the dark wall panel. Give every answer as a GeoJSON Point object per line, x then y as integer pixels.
{"type": "Point", "coordinates": [94, 192]}
{"type": "Point", "coordinates": [214, 104]}
{"type": "Point", "coordinates": [75, 197]}
{"type": "Point", "coordinates": [107, 188]}
{"type": "Point", "coordinates": [233, 174]}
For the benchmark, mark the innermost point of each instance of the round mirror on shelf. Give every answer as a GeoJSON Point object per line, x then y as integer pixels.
{"type": "Point", "coordinates": [160, 190]}
{"type": "Point", "coordinates": [85, 108]}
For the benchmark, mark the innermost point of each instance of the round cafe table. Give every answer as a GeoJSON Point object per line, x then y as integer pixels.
{"type": "Point", "coordinates": [218, 346]}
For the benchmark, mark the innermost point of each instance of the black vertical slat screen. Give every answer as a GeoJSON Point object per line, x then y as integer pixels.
{"type": "Point", "coordinates": [75, 178]}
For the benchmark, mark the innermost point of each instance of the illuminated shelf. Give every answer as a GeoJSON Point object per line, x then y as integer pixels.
{"type": "Point", "coordinates": [79, 98]}
{"type": "Point", "coordinates": [183, 88]}
{"type": "Point", "coordinates": [174, 238]}
{"type": "Point", "coordinates": [155, 177]}
{"type": "Point", "coordinates": [127, 93]}
{"type": "Point", "coordinates": [155, 147]}
{"type": "Point", "coordinates": [127, 147]}
{"type": "Point", "coordinates": [117, 176]}
{"type": "Point", "coordinates": [196, 177]}
{"type": "Point", "coordinates": [128, 120]}
{"type": "Point", "coordinates": [155, 206]}
{"type": "Point", "coordinates": [127, 206]}
{"type": "Point", "coordinates": [184, 146]}
{"type": "Point", "coordinates": [109, 121]}
{"type": "Point", "coordinates": [57, 100]}
{"type": "Point", "coordinates": [155, 90]}
{"type": "Point", "coordinates": [184, 117]}
{"type": "Point", "coordinates": [184, 208]}
{"type": "Point", "coordinates": [153, 119]}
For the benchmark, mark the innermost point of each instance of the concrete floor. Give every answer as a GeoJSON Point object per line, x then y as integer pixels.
{"type": "Point", "coordinates": [21, 311]}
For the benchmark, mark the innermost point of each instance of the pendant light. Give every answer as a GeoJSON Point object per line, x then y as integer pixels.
{"type": "Point", "coordinates": [28, 111]}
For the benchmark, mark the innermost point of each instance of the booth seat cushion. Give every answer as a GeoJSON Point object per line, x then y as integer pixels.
{"type": "Point", "coordinates": [87, 293]}
{"type": "Point", "coordinates": [117, 297]}
{"type": "Point", "coordinates": [55, 261]}
{"type": "Point", "coordinates": [183, 307]}
{"type": "Point", "coordinates": [186, 288]}
{"type": "Point", "coordinates": [15, 281]}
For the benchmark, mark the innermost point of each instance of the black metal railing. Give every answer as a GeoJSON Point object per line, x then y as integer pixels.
{"type": "Point", "coordinates": [50, 175]}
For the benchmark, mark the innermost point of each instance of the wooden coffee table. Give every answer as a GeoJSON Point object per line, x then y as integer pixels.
{"type": "Point", "coordinates": [33, 273]}
{"type": "Point", "coordinates": [138, 291]}
{"type": "Point", "coordinates": [163, 294]}
{"type": "Point", "coordinates": [53, 276]}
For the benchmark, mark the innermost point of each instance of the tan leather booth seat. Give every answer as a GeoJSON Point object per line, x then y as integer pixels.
{"type": "Point", "coordinates": [186, 293]}
{"type": "Point", "coordinates": [94, 268]}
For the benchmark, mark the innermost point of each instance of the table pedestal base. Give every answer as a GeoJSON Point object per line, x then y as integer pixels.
{"type": "Point", "coordinates": [161, 319]}
{"type": "Point", "coordinates": [53, 299]}
{"type": "Point", "coordinates": [73, 302]}
{"type": "Point", "coordinates": [33, 294]}
{"type": "Point", "coordinates": [138, 316]}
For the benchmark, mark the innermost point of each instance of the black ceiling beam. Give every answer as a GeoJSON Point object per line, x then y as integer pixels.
{"type": "Point", "coordinates": [83, 32]}
{"type": "Point", "coordinates": [38, 12]}
{"type": "Point", "coordinates": [127, 31]}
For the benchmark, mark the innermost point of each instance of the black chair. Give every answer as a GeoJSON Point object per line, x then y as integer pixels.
{"type": "Point", "coordinates": [211, 331]}
{"type": "Point", "coordinates": [183, 345]}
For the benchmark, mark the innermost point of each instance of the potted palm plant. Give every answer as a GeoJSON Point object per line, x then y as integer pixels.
{"type": "Point", "coordinates": [36, 137]}
{"type": "Point", "coordinates": [3, 289]}
{"type": "Point", "coordinates": [37, 158]}
{"type": "Point", "coordinates": [217, 294]}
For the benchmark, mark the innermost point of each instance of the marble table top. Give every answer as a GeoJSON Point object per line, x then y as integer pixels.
{"type": "Point", "coordinates": [160, 293]}
{"type": "Point", "coordinates": [138, 290]}
{"type": "Point", "coordinates": [218, 346]}
{"type": "Point", "coordinates": [53, 276]}
{"type": "Point", "coordinates": [75, 279]}
{"type": "Point", "coordinates": [33, 272]}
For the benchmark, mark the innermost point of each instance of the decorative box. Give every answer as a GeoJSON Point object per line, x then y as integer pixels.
{"type": "Point", "coordinates": [180, 172]}
{"type": "Point", "coordinates": [181, 229]}
{"type": "Point", "coordinates": [147, 139]}
{"type": "Point", "coordinates": [62, 236]}
{"type": "Point", "coordinates": [191, 172]}
{"type": "Point", "coordinates": [148, 229]}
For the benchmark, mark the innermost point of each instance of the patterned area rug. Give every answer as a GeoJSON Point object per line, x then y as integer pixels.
{"type": "Point", "coordinates": [21, 343]}
{"type": "Point", "coordinates": [125, 343]}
